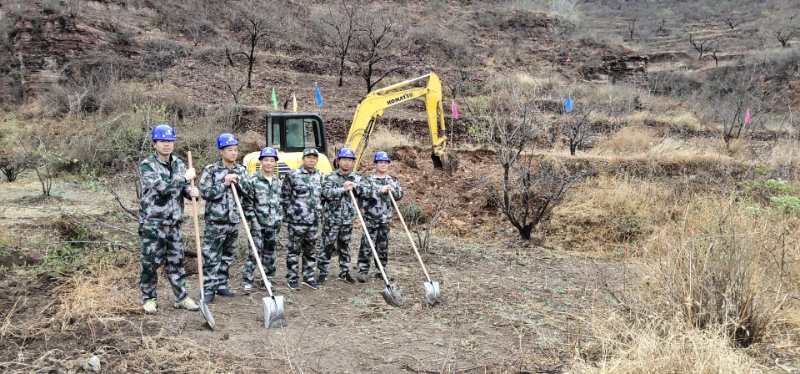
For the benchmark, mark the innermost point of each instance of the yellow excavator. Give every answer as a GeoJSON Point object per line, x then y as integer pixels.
{"type": "Point", "coordinates": [290, 132]}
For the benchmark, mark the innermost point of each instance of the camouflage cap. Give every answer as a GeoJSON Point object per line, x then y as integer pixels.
{"type": "Point", "coordinates": [310, 152]}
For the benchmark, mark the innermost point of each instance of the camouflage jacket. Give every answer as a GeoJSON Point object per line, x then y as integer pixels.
{"type": "Point", "coordinates": [261, 199]}
{"type": "Point", "coordinates": [337, 204]}
{"type": "Point", "coordinates": [301, 196]}
{"type": "Point", "coordinates": [377, 206]}
{"type": "Point", "coordinates": [220, 205]}
{"type": "Point", "coordinates": [163, 188]}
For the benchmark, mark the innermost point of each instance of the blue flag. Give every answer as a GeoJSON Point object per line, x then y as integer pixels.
{"type": "Point", "coordinates": [318, 96]}
{"type": "Point", "coordinates": [569, 105]}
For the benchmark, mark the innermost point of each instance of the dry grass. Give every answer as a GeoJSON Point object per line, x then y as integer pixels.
{"type": "Point", "coordinates": [606, 213]}
{"type": "Point", "coordinates": [629, 140]}
{"type": "Point", "coordinates": [383, 139]}
{"type": "Point", "coordinates": [104, 292]}
{"type": "Point", "coordinates": [676, 120]}
{"type": "Point", "coordinates": [785, 154]}
{"type": "Point", "coordinates": [648, 347]}
{"type": "Point", "coordinates": [717, 279]}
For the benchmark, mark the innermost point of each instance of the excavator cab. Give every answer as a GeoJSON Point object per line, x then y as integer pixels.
{"type": "Point", "coordinates": [290, 133]}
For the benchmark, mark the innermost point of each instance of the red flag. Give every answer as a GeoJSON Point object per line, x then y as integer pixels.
{"type": "Point", "coordinates": [454, 110]}
{"type": "Point", "coordinates": [748, 118]}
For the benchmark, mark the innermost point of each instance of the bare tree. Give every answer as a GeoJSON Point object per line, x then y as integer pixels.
{"type": "Point", "coordinates": [631, 27]}
{"type": "Point", "coordinates": [732, 22]}
{"type": "Point", "coordinates": [510, 122]}
{"type": "Point", "coordinates": [784, 35]}
{"type": "Point", "coordinates": [575, 128]}
{"type": "Point", "coordinates": [337, 29]}
{"type": "Point", "coordinates": [701, 46]}
{"type": "Point", "coordinates": [233, 81]}
{"type": "Point", "coordinates": [255, 25]}
{"type": "Point", "coordinates": [729, 95]}
{"type": "Point", "coordinates": [13, 161]}
{"type": "Point", "coordinates": [373, 51]}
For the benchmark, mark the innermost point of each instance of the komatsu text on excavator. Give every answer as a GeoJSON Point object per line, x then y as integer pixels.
{"type": "Point", "coordinates": [290, 133]}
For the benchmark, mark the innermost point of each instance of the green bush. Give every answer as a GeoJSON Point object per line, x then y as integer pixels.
{"type": "Point", "coordinates": [786, 203]}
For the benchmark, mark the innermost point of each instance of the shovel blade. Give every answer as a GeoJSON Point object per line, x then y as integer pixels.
{"type": "Point", "coordinates": [207, 315]}
{"type": "Point", "coordinates": [392, 296]}
{"type": "Point", "coordinates": [273, 312]}
{"type": "Point", "coordinates": [431, 292]}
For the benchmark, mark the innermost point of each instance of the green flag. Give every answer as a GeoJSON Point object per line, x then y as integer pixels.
{"type": "Point", "coordinates": [274, 99]}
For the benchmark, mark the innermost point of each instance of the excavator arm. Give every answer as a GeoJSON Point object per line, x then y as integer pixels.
{"type": "Point", "coordinates": [372, 106]}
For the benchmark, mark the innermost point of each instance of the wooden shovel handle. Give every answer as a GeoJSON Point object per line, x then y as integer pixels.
{"type": "Point", "coordinates": [196, 232]}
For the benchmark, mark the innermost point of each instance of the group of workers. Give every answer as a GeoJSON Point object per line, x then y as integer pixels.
{"type": "Point", "coordinates": [304, 199]}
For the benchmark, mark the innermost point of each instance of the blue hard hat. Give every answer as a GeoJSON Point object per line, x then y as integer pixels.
{"type": "Point", "coordinates": [226, 139]}
{"type": "Point", "coordinates": [268, 152]}
{"type": "Point", "coordinates": [163, 132]}
{"type": "Point", "coordinates": [382, 156]}
{"type": "Point", "coordinates": [346, 153]}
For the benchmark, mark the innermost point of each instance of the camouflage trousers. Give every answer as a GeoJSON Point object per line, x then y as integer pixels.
{"type": "Point", "coordinates": [266, 241]}
{"type": "Point", "coordinates": [162, 244]}
{"type": "Point", "coordinates": [379, 232]}
{"type": "Point", "coordinates": [302, 240]}
{"type": "Point", "coordinates": [219, 246]}
{"type": "Point", "coordinates": [335, 239]}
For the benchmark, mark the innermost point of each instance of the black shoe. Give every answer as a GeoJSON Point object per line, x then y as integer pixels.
{"type": "Point", "coordinates": [293, 285]}
{"type": "Point", "coordinates": [321, 279]}
{"type": "Point", "coordinates": [380, 277]}
{"type": "Point", "coordinates": [311, 283]}
{"type": "Point", "coordinates": [226, 292]}
{"type": "Point", "coordinates": [345, 277]}
{"type": "Point", "coordinates": [208, 297]}
{"type": "Point", "coordinates": [361, 277]}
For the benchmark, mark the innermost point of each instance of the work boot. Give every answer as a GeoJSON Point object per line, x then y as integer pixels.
{"type": "Point", "coordinates": [226, 292]}
{"type": "Point", "coordinates": [247, 288]}
{"type": "Point", "coordinates": [311, 283]}
{"type": "Point", "coordinates": [293, 284]}
{"type": "Point", "coordinates": [150, 306]}
{"type": "Point", "coordinates": [188, 304]}
{"type": "Point", "coordinates": [321, 279]}
{"type": "Point", "coordinates": [361, 277]}
{"type": "Point", "coordinates": [208, 297]}
{"type": "Point", "coordinates": [345, 277]}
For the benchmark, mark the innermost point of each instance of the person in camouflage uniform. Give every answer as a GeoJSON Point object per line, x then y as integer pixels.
{"type": "Point", "coordinates": [221, 216]}
{"type": "Point", "coordinates": [302, 206]}
{"type": "Point", "coordinates": [164, 186]}
{"type": "Point", "coordinates": [378, 212]}
{"type": "Point", "coordinates": [338, 213]}
{"type": "Point", "coordinates": [261, 201]}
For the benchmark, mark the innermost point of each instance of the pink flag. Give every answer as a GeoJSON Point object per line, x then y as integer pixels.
{"type": "Point", "coordinates": [748, 118]}
{"type": "Point", "coordinates": [454, 110]}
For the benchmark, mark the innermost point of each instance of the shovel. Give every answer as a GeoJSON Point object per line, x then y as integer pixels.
{"type": "Point", "coordinates": [203, 306]}
{"type": "Point", "coordinates": [391, 294]}
{"type": "Point", "coordinates": [273, 305]}
{"type": "Point", "coordinates": [431, 287]}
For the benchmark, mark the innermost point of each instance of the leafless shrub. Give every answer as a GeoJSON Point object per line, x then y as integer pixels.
{"type": "Point", "coordinates": [159, 55]}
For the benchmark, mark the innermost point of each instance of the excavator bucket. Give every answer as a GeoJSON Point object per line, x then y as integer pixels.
{"type": "Point", "coordinates": [448, 163]}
